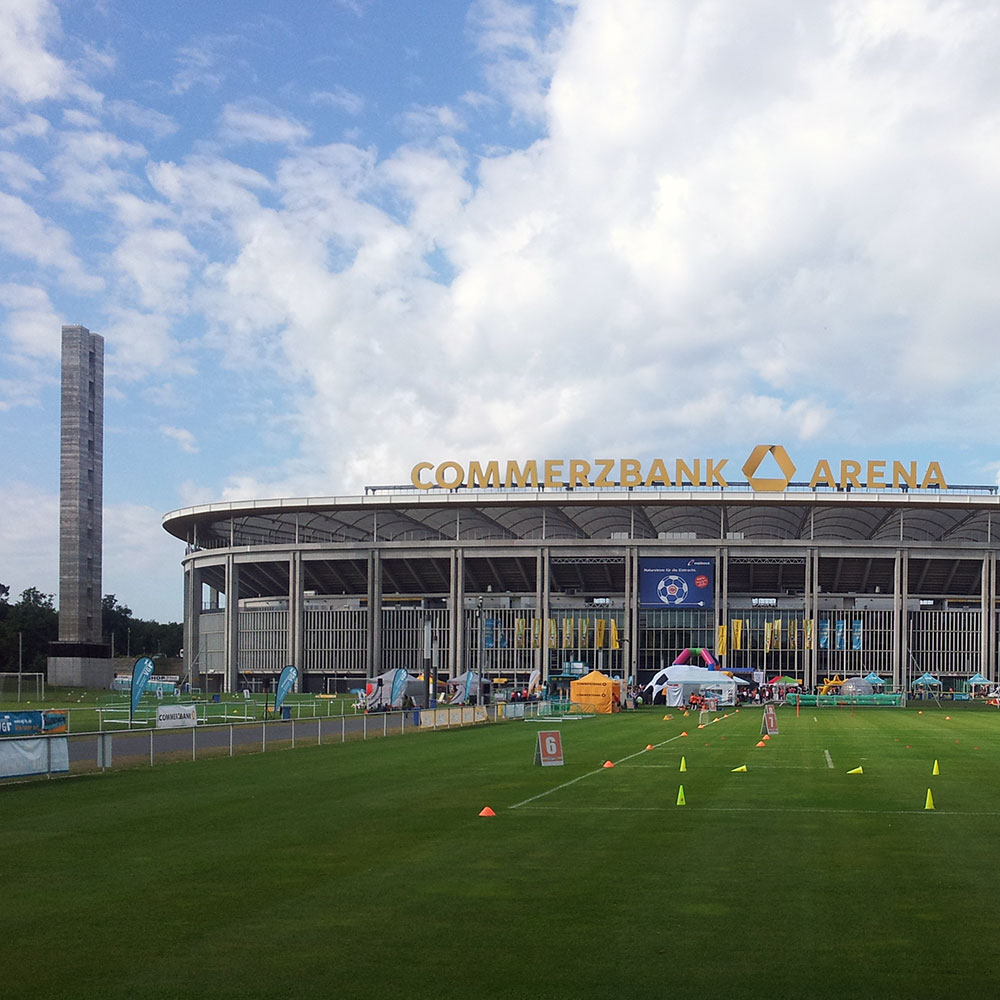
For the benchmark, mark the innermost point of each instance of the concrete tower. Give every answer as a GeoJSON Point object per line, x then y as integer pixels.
{"type": "Point", "coordinates": [80, 657]}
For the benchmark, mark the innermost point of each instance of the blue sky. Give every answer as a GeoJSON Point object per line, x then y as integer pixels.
{"type": "Point", "coordinates": [325, 241]}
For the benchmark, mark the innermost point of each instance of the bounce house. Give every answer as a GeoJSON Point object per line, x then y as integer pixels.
{"type": "Point", "coordinates": [683, 672]}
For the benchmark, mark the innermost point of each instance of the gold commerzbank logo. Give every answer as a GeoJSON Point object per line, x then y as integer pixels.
{"type": "Point", "coordinates": [629, 473]}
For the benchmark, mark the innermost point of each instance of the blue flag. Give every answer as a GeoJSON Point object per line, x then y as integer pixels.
{"type": "Point", "coordinates": [141, 673]}
{"type": "Point", "coordinates": [398, 685]}
{"type": "Point", "coordinates": [285, 684]}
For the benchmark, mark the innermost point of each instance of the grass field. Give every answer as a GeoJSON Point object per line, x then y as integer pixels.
{"type": "Point", "coordinates": [364, 870]}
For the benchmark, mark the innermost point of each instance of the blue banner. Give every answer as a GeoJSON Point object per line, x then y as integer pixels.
{"type": "Point", "coordinates": [856, 635]}
{"type": "Point", "coordinates": [824, 633]}
{"type": "Point", "coordinates": [841, 630]}
{"type": "Point", "coordinates": [32, 723]}
{"type": "Point", "coordinates": [399, 686]}
{"type": "Point", "coordinates": [676, 583]}
{"type": "Point", "coordinates": [141, 673]}
{"type": "Point", "coordinates": [285, 684]}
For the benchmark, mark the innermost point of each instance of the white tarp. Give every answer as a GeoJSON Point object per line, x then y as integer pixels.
{"type": "Point", "coordinates": [682, 680]}
{"type": "Point", "coordinates": [21, 757]}
{"type": "Point", "coordinates": [176, 716]}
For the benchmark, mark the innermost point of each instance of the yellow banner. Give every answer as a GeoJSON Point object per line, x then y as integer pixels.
{"type": "Point", "coordinates": [793, 635]}
{"type": "Point", "coordinates": [721, 644]}
{"type": "Point", "coordinates": [567, 633]}
{"type": "Point", "coordinates": [737, 626]}
{"type": "Point", "coordinates": [536, 633]}
{"type": "Point", "coordinates": [776, 634]}
{"type": "Point", "coordinates": [768, 636]}
{"type": "Point", "coordinates": [584, 631]}
{"type": "Point", "coordinates": [807, 627]}
{"type": "Point", "coordinates": [615, 643]}
{"type": "Point", "coordinates": [599, 626]}
{"type": "Point", "coordinates": [520, 633]}
{"type": "Point", "coordinates": [553, 633]}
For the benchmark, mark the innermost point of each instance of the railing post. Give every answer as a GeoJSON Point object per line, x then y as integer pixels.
{"type": "Point", "coordinates": [151, 748]}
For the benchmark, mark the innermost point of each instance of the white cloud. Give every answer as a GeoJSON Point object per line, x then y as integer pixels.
{"type": "Point", "coordinates": [18, 173]}
{"type": "Point", "coordinates": [31, 126]}
{"type": "Point", "coordinates": [256, 122]}
{"type": "Point", "coordinates": [157, 263]}
{"type": "Point", "coordinates": [141, 344]}
{"type": "Point", "coordinates": [28, 70]}
{"type": "Point", "coordinates": [31, 325]}
{"type": "Point", "coordinates": [29, 538]}
{"type": "Point", "coordinates": [154, 122]}
{"type": "Point", "coordinates": [341, 98]}
{"type": "Point", "coordinates": [183, 438]}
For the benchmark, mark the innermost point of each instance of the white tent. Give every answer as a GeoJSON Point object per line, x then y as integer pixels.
{"type": "Point", "coordinates": [390, 688]}
{"type": "Point", "coordinates": [466, 687]}
{"type": "Point", "coordinates": [682, 680]}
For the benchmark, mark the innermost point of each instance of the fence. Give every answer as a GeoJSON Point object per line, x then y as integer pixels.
{"type": "Point", "coordinates": [81, 753]}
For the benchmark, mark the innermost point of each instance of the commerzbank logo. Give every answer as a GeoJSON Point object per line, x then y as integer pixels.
{"type": "Point", "coordinates": [757, 458]}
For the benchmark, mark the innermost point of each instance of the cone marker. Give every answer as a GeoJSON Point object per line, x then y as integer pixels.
{"type": "Point", "coordinates": [684, 765]}
{"type": "Point", "coordinates": [487, 812]}
{"type": "Point", "coordinates": [935, 769]}
{"type": "Point", "coordinates": [681, 801]}
{"type": "Point", "coordinates": [929, 801]}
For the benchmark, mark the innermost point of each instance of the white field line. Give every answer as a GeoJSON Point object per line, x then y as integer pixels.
{"type": "Point", "coordinates": [597, 770]}
{"type": "Point", "coordinates": [769, 809]}
{"type": "Point", "coordinates": [829, 759]}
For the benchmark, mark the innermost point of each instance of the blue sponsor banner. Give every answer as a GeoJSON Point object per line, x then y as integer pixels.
{"type": "Point", "coordinates": [398, 686]}
{"type": "Point", "coordinates": [141, 673]}
{"type": "Point", "coordinates": [824, 633]}
{"type": "Point", "coordinates": [841, 631]}
{"type": "Point", "coordinates": [856, 635]}
{"type": "Point", "coordinates": [676, 583]}
{"type": "Point", "coordinates": [31, 723]}
{"type": "Point", "coordinates": [285, 684]}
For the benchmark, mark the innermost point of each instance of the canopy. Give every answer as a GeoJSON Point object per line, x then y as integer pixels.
{"type": "Point", "coordinates": [925, 680]}
{"type": "Point", "coordinates": [595, 689]}
{"type": "Point", "coordinates": [978, 678]}
{"type": "Point", "coordinates": [783, 679]}
{"type": "Point", "coordinates": [873, 678]}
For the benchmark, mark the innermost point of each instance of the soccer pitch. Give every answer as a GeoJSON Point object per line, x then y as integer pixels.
{"type": "Point", "coordinates": [365, 870]}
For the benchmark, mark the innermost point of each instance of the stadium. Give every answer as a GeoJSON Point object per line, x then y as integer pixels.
{"type": "Point", "coordinates": [506, 568]}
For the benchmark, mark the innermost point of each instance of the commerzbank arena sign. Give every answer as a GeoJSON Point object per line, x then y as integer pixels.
{"type": "Point", "coordinates": [627, 473]}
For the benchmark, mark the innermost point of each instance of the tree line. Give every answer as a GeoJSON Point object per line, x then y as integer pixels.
{"type": "Point", "coordinates": [28, 625]}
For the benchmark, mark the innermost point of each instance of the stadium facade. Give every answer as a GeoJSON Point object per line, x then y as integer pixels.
{"type": "Point", "coordinates": [846, 568]}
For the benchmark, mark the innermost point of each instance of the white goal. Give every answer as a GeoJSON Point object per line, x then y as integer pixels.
{"type": "Point", "coordinates": [22, 687]}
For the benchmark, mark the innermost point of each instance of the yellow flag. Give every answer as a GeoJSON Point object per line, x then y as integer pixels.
{"type": "Point", "coordinates": [721, 640]}
{"type": "Point", "coordinates": [737, 633]}
{"type": "Point", "coordinates": [520, 633]}
{"type": "Point", "coordinates": [536, 633]}
{"type": "Point", "coordinates": [553, 633]}
{"type": "Point", "coordinates": [584, 631]}
{"type": "Point", "coordinates": [807, 626]}
{"type": "Point", "coordinates": [615, 642]}
{"type": "Point", "coordinates": [776, 634]}
{"type": "Point", "coordinates": [567, 633]}
{"type": "Point", "coordinates": [768, 636]}
{"type": "Point", "coordinates": [599, 626]}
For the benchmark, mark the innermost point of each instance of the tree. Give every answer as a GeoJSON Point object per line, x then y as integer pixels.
{"type": "Point", "coordinates": [26, 629]}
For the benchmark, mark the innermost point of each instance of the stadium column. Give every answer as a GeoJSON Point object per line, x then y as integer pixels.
{"type": "Point", "coordinates": [899, 619]}
{"type": "Point", "coordinates": [232, 624]}
{"type": "Point", "coordinates": [296, 616]}
{"type": "Point", "coordinates": [988, 623]}
{"type": "Point", "coordinates": [374, 618]}
{"type": "Point", "coordinates": [542, 589]}
{"type": "Point", "coordinates": [456, 613]}
{"type": "Point", "coordinates": [632, 613]}
{"type": "Point", "coordinates": [721, 595]}
{"type": "Point", "coordinates": [810, 610]}
{"type": "Point", "coordinates": [192, 625]}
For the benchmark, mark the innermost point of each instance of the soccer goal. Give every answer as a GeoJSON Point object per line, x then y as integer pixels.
{"type": "Point", "coordinates": [22, 687]}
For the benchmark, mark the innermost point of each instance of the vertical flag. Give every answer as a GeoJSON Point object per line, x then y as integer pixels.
{"type": "Point", "coordinates": [824, 634]}
{"type": "Point", "coordinates": [808, 626]}
{"type": "Point", "coordinates": [768, 636]}
{"type": "Point", "coordinates": [599, 627]}
{"type": "Point", "coordinates": [553, 634]}
{"type": "Point", "coordinates": [615, 643]}
{"type": "Point", "coordinates": [536, 633]}
{"type": "Point", "coordinates": [737, 626]}
{"type": "Point", "coordinates": [567, 638]}
{"type": "Point", "coordinates": [291, 674]}
{"type": "Point", "coordinates": [520, 632]}
{"type": "Point", "coordinates": [584, 628]}
{"type": "Point", "coordinates": [776, 634]}
{"type": "Point", "coordinates": [793, 634]}
{"type": "Point", "coordinates": [142, 670]}
{"type": "Point", "coordinates": [721, 640]}
{"type": "Point", "coordinates": [856, 635]}
{"type": "Point", "coordinates": [841, 630]}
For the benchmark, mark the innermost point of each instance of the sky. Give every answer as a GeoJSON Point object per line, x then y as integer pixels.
{"type": "Point", "coordinates": [327, 240]}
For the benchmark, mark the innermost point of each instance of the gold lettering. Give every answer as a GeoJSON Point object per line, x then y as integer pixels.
{"type": "Point", "coordinates": [415, 475]}
{"type": "Point", "coordinates": [822, 474]}
{"type": "Point", "coordinates": [683, 471]}
{"type": "Point", "coordinates": [579, 473]}
{"type": "Point", "coordinates": [484, 478]}
{"type": "Point", "coordinates": [553, 474]}
{"type": "Point", "coordinates": [934, 477]}
{"type": "Point", "coordinates": [876, 475]}
{"type": "Point", "coordinates": [658, 474]}
{"type": "Point", "coordinates": [605, 465]}
{"type": "Point", "coordinates": [849, 473]}
{"type": "Point", "coordinates": [446, 467]}
{"type": "Point", "coordinates": [516, 476]}
{"type": "Point", "coordinates": [631, 472]}
{"type": "Point", "coordinates": [900, 475]}
{"type": "Point", "coordinates": [713, 472]}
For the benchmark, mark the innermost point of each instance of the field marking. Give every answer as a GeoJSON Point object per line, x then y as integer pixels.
{"type": "Point", "coordinates": [829, 759]}
{"type": "Point", "coordinates": [767, 809]}
{"type": "Point", "coordinates": [597, 770]}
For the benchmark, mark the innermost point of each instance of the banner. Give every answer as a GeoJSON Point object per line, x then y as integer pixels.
{"type": "Point", "coordinates": [737, 626]}
{"type": "Point", "coordinates": [776, 635]}
{"type": "Point", "coordinates": [567, 630]}
{"type": "Point", "coordinates": [721, 640]}
{"type": "Point", "coordinates": [615, 641]}
{"type": "Point", "coordinates": [141, 672]}
{"type": "Point", "coordinates": [824, 633]}
{"type": "Point", "coordinates": [793, 635]}
{"type": "Point", "coordinates": [536, 633]}
{"type": "Point", "coordinates": [291, 674]}
{"type": "Point", "coordinates": [841, 631]}
{"type": "Point", "coordinates": [520, 633]}
{"type": "Point", "coordinates": [553, 634]}
{"type": "Point", "coordinates": [676, 583]}
{"type": "Point", "coordinates": [176, 716]}
{"type": "Point", "coordinates": [41, 756]}
{"type": "Point", "coordinates": [768, 636]}
{"type": "Point", "coordinates": [807, 628]}
{"type": "Point", "coordinates": [489, 633]}
{"type": "Point", "coordinates": [584, 627]}
{"type": "Point", "coordinates": [856, 635]}
{"type": "Point", "coordinates": [599, 627]}
{"type": "Point", "coordinates": [33, 723]}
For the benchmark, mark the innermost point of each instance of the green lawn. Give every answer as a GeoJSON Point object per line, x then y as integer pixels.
{"type": "Point", "coordinates": [365, 870]}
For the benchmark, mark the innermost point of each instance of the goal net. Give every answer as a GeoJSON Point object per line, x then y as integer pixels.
{"type": "Point", "coordinates": [22, 687]}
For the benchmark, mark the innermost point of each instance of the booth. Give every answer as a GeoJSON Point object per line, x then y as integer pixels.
{"type": "Point", "coordinates": [597, 690]}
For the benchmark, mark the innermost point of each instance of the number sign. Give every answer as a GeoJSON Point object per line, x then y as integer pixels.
{"type": "Point", "coordinates": [549, 751]}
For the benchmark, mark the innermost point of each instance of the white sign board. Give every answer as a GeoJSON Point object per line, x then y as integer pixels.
{"type": "Point", "coordinates": [176, 716]}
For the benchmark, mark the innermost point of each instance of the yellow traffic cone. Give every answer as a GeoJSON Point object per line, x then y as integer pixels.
{"type": "Point", "coordinates": [684, 765]}
{"type": "Point", "coordinates": [737, 770]}
{"type": "Point", "coordinates": [936, 769]}
{"type": "Point", "coordinates": [857, 770]}
{"type": "Point", "coordinates": [681, 801]}
{"type": "Point", "coordinates": [929, 801]}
